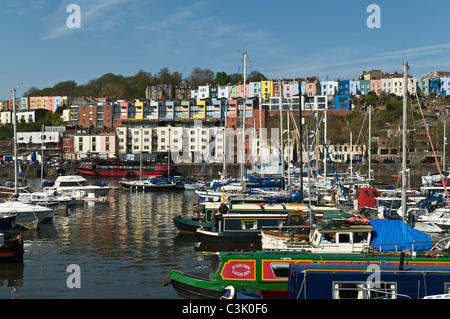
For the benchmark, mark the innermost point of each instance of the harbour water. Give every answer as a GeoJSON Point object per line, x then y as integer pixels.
{"type": "Point", "coordinates": [123, 247]}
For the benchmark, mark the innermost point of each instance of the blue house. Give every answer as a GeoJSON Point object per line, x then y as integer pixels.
{"type": "Point", "coordinates": [344, 87]}
{"type": "Point", "coordinates": [445, 86]}
{"type": "Point", "coordinates": [435, 85]}
{"type": "Point", "coordinates": [340, 103]}
{"type": "Point", "coordinates": [255, 89]}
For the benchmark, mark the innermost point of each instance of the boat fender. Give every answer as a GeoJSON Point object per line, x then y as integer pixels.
{"type": "Point", "coordinates": [430, 255]}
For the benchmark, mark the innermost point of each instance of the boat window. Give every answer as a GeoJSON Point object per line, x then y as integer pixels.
{"type": "Point", "coordinates": [280, 269]}
{"type": "Point", "coordinates": [360, 237]}
{"type": "Point", "coordinates": [384, 290]}
{"type": "Point", "coordinates": [446, 215]}
{"type": "Point", "coordinates": [249, 224]}
{"type": "Point", "coordinates": [344, 238]}
{"type": "Point", "coordinates": [447, 287]}
{"type": "Point", "coordinates": [217, 267]}
{"type": "Point", "coordinates": [328, 238]}
{"type": "Point", "coordinates": [348, 290]}
{"type": "Point", "coordinates": [360, 290]}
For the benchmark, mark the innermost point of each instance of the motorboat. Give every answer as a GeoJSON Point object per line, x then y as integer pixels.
{"type": "Point", "coordinates": [439, 217]}
{"type": "Point", "coordinates": [26, 213]}
{"type": "Point", "coordinates": [47, 199]}
{"type": "Point", "coordinates": [78, 187]}
{"type": "Point", "coordinates": [149, 184]}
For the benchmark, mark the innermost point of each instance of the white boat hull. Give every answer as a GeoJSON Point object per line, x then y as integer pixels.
{"type": "Point", "coordinates": [27, 213]}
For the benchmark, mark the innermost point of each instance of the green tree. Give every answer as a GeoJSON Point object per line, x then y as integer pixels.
{"type": "Point", "coordinates": [201, 76]}
{"type": "Point", "coordinates": [221, 78]}
{"type": "Point", "coordinates": [256, 76]}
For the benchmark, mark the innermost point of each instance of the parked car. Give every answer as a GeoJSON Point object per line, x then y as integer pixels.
{"type": "Point", "coordinates": [388, 161]}
{"type": "Point", "coordinates": [427, 160]}
{"type": "Point", "coordinates": [374, 161]}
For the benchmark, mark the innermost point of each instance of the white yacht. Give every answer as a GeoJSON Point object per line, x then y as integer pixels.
{"type": "Point", "coordinates": [439, 219]}
{"type": "Point", "coordinates": [77, 187]}
{"type": "Point", "coordinates": [26, 213]}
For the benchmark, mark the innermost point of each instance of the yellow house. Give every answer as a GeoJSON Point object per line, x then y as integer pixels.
{"type": "Point", "coordinates": [139, 110]}
{"type": "Point", "coordinates": [200, 109]}
{"type": "Point", "coordinates": [266, 90]}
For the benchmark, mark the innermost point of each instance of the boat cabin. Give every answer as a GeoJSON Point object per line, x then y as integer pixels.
{"type": "Point", "coordinates": [365, 197]}
{"type": "Point", "coordinates": [343, 239]}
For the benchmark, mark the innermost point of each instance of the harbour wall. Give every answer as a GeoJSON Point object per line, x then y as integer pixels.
{"type": "Point", "coordinates": [381, 172]}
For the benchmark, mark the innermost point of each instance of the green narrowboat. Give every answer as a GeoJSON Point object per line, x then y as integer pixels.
{"type": "Point", "coordinates": [267, 271]}
{"type": "Point", "coordinates": [203, 220]}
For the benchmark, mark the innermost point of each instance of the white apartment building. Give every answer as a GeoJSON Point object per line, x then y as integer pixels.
{"type": "Point", "coordinates": [386, 86]}
{"type": "Point", "coordinates": [397, 85]}
{"type": "Point", "coordinates": [187, 144]}
{"type": "Point", "coordinates": [329, 88]}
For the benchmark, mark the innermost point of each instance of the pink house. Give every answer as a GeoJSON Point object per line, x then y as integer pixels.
{"type": "Point", "coordinates": [241, 90]}
{"type": "Point", "coordinates": [232, 108]}
{"type": "Point", "coordinates": [375, 86]}
{"type": "Point", "coordinates": [107, 142]}
{"type": "Point", "coordinates": [288, 91]}
{"type": "Point", "coordinates": [123, 110]}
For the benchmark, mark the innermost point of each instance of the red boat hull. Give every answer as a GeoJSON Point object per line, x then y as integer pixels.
{"type": "Point", "coordinates": [158, 170]}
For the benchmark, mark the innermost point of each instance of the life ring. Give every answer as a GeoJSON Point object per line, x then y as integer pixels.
{"type": "Point", "coordinates": [228, 293]}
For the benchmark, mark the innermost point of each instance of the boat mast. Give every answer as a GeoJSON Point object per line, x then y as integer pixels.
{"type": "Point", "coordinates": [289, 142]}
{"type": "Point", "coordinates": [260, 140]}
{"type": "Point", "coordinates": [445, 142]}
{"type": "Point", "coordinates": [281, 136]}
{"type": "Point", "coordinates": [405, 96]}
{"type": "Point", "coordinates": [301, 135]}
{"type": "Point", "coordinates": [224, 139]}
{"type": "Point", "coordinates": [243, 120]}
{"type": "Point", "coordinates": [369, 151]}
{"type": "Point", "coordinates": [42, 156]}
{"type": "Point", "coordinates": [168, 154]}
{"type": "Point", "coordinates": [15, 143]}
{"type": "Point", "coordinates": [324, 148]}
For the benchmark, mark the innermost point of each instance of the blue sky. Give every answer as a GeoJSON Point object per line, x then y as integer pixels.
{"type": "Point", "coordinates": [282, 38]}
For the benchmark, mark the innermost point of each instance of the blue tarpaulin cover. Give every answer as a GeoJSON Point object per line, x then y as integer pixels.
{"type": "Point", "coordinates": [395, 235]}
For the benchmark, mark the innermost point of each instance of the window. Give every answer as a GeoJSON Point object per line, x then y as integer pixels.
{"type": "Point", "coordinates": [249, 224]}
{"type": "Point", "coordinates": [280, 269]}
{"type": "Point", "coordinates": [360, 290]}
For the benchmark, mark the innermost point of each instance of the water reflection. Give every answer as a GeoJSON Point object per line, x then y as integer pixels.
{"type": "Point", "coordinates": [11, 277]}
{"type": "Point", "coordinates": [124, 247]}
